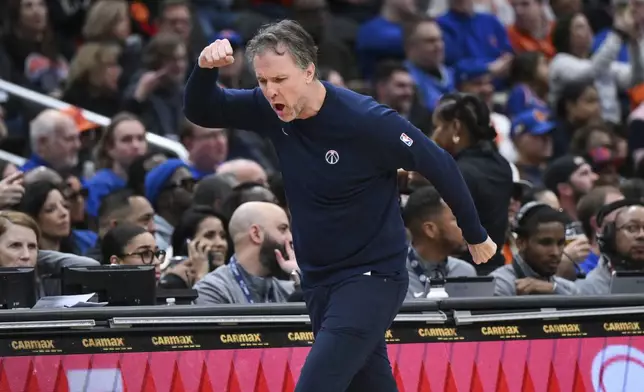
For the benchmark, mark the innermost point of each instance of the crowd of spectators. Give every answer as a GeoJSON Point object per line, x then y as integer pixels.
{"type": "Point", "coordinates": [541, 105]}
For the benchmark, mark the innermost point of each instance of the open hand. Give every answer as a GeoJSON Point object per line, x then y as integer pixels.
{"type": "Point", "coordinates": [288, 264]}
{"type": "Point", "coordinates": [11, 190]}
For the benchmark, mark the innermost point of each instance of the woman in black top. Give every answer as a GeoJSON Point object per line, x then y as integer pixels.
{"type": "Point", "coordinates": [462, 127]}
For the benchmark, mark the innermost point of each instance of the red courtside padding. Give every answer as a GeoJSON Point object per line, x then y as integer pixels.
{"type": "Point", "coordinates": [539, 365]}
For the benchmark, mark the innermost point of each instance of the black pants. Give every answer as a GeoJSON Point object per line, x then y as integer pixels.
{"type": "Point", "coordinates": [349, 321]}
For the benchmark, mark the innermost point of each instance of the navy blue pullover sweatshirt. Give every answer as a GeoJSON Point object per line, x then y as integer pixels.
{"type": "Point", "coordinates": [339, 170]}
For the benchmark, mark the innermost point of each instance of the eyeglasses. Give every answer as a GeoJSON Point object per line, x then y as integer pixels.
{"type": "Point", "coordinates": [632, 228]}
{"type": "Point", "coordinates": [147, 256]}
{"type": "Point", "coordinates": [187, 183]}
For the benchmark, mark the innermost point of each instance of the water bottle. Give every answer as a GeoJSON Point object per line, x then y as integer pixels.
{"type": "Point", "coordinates": [437, 292]}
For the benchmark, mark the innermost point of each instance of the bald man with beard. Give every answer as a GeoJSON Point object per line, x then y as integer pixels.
{"type": "Point", "coordinates": [260, 269]}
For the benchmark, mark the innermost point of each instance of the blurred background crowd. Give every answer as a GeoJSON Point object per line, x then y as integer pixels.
{"type": "Point", "coordinates": [560, 84]}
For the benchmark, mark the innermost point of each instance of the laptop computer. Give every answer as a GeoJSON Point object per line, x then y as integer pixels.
{"type": "Point", "coordinates": [473, 286]}
{"type": "Point", "coordinates": [627, 282]}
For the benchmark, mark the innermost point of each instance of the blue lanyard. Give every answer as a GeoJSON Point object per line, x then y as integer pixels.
{"type": "Point", "coordinates": [242, 283]}
{"type": "Point", "coordinates": [440, 273]}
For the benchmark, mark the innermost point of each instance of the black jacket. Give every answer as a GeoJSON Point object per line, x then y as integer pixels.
{"type": "Point", "coordinates": [489, 179]}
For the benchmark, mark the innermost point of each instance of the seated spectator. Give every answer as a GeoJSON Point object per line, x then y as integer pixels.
{"type": "Point", "coordinates": [315, 18]}
{"type": "Point", "coordinates": [578, 106]}
{"type": "Point", "coordinates": [425, 52]}
{"type": "Point", "coordinates": [109, 21]}
{"type": "Point", "coordinates": [529, 78]}
{"type": "Point", "coordinates": [633, 189]}
{"type": "Point", "coordinates": [569, 177]}
{"type": "Point", "coordinates": [207, 147]}
{"type": "Point", "coordinates": [19, 240]}
{"type": "Point", "coordinates": [259, 231]}
{"type": "Point", "coordinates": [531, 28]}
{"type": "Point", "coordinates": [38, 57]}
{"type": "Point", "coordinates": [477, 80]}
{"type": "Point", "coordinates": [572, 37]}
{"type": "Point", "coordinates": [139, 167]}
{"type": "Point", "coordinates": [201, 237]}
{"type": "Point", "coordinates": [122, 142]}
{"type": "Point", "coordinates": [122, 206]}
{"type": "Point", "coordinates": [475, 37]}
{"type": "Point", "coordinates": [75, 195]}
{"type": "Point", "coordinates": [636, 9]}
{"type": "Point", "coordinates": [381, 38]}
{"type": "Point", "coordinates": [542, 195]}
{"type": "Point", "coordinates": [621, 247]}
{"type": "Point", "coordinates": [169, 188]}
{"type": "Point", "coordinates": [393, 86]}
{"type": "Point", "coordinates": [540, 239]}
{"type": "Point", "coordinates": [244, 193]}
{"type": "Point", "coordinates": [44, 202]}
{"type": "Point", "coordinates": [598, 144]}
{"type": "Point", "coordinates": [94, 76]}
{"type": "Point", "coordinates": [130, 244]}
{"type": "Point", "coordinates": [175, 17]}
{"type": "Point", "coordinates": [531, 134]}
{"type": "Point", "coordinates": [244, 170]}
{"type": "Point", "coordinates": [463, 128]}
{"type": "Point", "coordinates": [435, 236]}
{"type": "Point", "coordinates": [587, 210]}
{"type": "Point", "coordinates": [54, 142]}
{"type": "Point", "coordinates": [211, 192]}
{"type": "Point", "coordinates": [158, 87]}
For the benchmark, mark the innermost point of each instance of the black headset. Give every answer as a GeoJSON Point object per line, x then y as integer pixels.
{"type": "Point", "coordinates": [526, 210]}
{"type": "Point", "coordinates": [606, 238]}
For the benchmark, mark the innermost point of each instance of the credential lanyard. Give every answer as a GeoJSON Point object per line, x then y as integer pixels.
{"type": "Point", "coordinates": [418, 269]}
{"type": "Point", "coordinates": [242, 283]}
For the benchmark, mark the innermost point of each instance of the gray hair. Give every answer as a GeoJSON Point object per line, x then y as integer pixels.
{"type": "Point", "coordinates": [46, 124]}
{"type": "Point", "coordinates": [286, 34]}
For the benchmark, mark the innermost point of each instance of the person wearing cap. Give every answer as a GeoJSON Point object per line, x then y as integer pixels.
{"type": "Point", "coordinates": [169, 188]}
{"type": "Point", "coordinates": [476, 79]}
{"type": "Point", "coordinates": [531, 135]}
{"type": "Point", "coordinates": [570, 177]}
{"type": "Point", "coordinates": [55, 141]}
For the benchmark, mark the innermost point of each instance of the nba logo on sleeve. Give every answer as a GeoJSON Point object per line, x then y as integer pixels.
{"type": "Point", "coordinates": [406, 139]}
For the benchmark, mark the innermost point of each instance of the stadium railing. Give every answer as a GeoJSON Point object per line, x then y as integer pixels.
{"type": "Point", "coordinates": [480, 344]}
{"type": "Point", "coordinates": [52, 103]}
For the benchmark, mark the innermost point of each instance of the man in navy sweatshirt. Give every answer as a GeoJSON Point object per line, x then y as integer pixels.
{"type": "Point", "coordinates": [339, 154]}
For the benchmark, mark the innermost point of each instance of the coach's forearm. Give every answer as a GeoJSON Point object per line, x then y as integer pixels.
{"type": "Point", "coordinates": [200, 97]}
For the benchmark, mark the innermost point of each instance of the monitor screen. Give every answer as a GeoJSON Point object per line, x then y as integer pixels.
{"type": "Point", "coordinates": [627, 282]}
{"type": "Point", "coordinates": [17, 288]}
{"type": "Point", "coordinates": [473, 286]}
{"type": "Point", "coordinates": [118, 285]}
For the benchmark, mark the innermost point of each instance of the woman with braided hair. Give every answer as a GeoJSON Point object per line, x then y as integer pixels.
{"type": "Point", "coordinates": [462, 127]}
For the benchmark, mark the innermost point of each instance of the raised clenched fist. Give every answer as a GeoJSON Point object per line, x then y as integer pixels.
{"type": "Point", "coordinates": [217, 54]}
